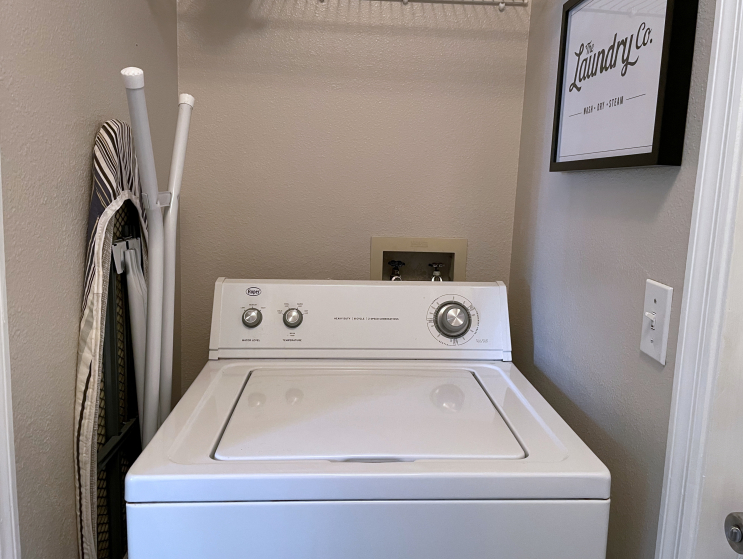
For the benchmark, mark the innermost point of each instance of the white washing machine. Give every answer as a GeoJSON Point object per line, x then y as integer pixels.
{"type": "Point", "coordinates": [364, 420]}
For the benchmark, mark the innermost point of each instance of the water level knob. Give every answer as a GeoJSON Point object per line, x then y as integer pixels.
{"type": "Point", "coordinates": [252, 318]}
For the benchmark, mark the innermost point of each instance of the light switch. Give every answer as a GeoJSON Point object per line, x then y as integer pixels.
{"type": "Point", "coordinates": [655, 318]}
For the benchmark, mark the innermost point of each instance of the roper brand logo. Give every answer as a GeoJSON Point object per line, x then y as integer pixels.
{"type": "Point", "coordinates": [253, 291]}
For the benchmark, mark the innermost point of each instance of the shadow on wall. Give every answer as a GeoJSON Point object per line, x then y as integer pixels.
{"type": "Point", "coordinates": [164, 12]}
{"type": "Point", "coordinates": [579, 348]}
{"type": "Point", "coordinates": [631, 478]}
{"type": "Point", "coordinates": [638, 194]}
{"type": "Point", "coordinates": [370, 41]}
{"type": "Point", "coordinates": [220, 21]}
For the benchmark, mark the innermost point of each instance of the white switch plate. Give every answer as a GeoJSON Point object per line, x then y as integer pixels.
{"type": "Point", "coordinates": [655, 319]}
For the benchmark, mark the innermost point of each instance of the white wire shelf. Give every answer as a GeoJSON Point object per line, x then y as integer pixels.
{"type": "Point", "coordinates": [500, 4]}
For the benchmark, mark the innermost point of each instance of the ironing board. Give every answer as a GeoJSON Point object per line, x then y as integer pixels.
{"type": "Point", "coordinates": [115, 181]}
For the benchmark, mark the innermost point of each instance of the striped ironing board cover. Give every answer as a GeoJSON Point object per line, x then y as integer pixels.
{"type": "Point", "coordinates": [115, 180]}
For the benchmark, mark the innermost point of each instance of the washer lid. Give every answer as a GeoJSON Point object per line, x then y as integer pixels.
{"type": "Point", "coordinates": [366, 416]}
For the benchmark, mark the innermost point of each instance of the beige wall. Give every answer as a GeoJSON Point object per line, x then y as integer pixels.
{"type": "Point", "coordinates": [584, 244]}
{"type": "Point", "coordinates": [59, 80]}
{"type": "Point", "coordinates": [318, 125]}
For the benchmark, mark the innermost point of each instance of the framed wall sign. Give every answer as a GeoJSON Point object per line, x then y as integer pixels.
{"type": "Point", "coordinates": [622, 83]}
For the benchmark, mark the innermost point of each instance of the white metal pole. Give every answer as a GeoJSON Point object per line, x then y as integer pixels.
{"type": "Point", "coordinates": [136, 290]}
{"type": "Point", "coordinates": [170, 219]}
{"type": "Point", "coordinates": [134, 83]}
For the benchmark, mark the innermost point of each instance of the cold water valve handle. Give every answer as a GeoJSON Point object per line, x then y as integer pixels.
{"type": "Point", "coordinates": [436, 271]}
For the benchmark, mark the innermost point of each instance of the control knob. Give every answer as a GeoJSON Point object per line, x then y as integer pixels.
{"type": "Point", "coordinates": [293, 318]}
{"type": "Point", "coordinates": [252, 318]}
{"type": "Point", "coordinates": [452, 319]}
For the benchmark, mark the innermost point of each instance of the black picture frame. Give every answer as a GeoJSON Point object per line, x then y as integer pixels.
{"type": "Point", "coordinates": [673, 93]}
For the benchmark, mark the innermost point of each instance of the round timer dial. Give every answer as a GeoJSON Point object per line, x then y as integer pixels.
{"type": "Point", "coordinates": [452, 320]}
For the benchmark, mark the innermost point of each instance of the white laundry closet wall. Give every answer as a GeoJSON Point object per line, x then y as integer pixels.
{"type": "Point", "coordinates": [320, 124]}
{"type": "Point", "coordinates": [59, 81]}
{"type": "Point", "coordinates": [584, 244]}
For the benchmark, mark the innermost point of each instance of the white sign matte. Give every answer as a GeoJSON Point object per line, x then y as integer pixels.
{"type": "Point", "coordinates": [610, 78]}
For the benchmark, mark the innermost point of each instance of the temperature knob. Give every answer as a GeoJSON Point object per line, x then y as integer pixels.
{"type": "Point", "coordinates": [252, 318]}
{"type": "Point", "coordinates": [293, 318]}
{"type": "Point", "coordinates": [452, 320]}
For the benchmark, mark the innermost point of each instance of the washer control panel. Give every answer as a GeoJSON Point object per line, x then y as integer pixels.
{"type": "Point", "coordinates": [377, 319]}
